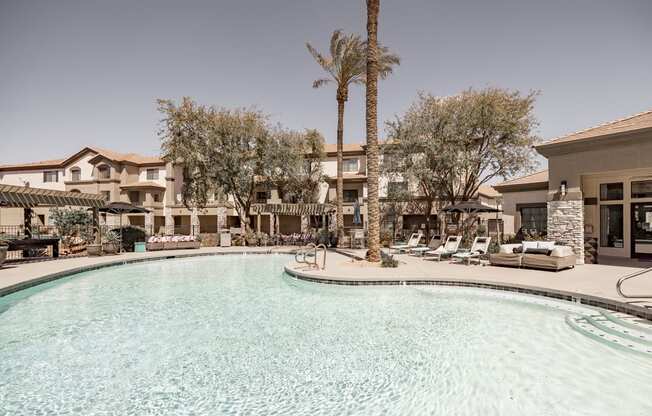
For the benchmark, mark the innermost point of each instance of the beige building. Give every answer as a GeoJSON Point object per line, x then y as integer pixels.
{"type": "Point", "coordinates": [598, 186]}
{"type": "Point", "coordinates": [151, 183]}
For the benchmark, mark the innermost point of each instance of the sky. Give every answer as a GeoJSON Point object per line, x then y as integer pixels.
{"type": "Point", "coordinates": [88, 72]}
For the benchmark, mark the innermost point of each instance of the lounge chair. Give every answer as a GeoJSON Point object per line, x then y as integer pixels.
{"type": "Point", "coordinates": [448, 249]}
{"type": "Point", "coordinates": [411, 243]}
{"type": "Point", "coordinates": [434, 244]}
{"type": "Point", "coordinates": [479, 248]}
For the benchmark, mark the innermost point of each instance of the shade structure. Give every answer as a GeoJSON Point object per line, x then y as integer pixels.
{"type": "Point", "coordinates": [293, 209]}
{"type": "Point", "coordinates": [120, 208]}
{"type": "Point", "coordinates": [469, 207]}
{"type": "Point", "coordinates": [24, 197]}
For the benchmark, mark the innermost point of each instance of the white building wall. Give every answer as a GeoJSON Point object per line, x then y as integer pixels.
{"type": "Point", "coordinates": [33, 177]}
{"type": "Point", "coordinates": [84, 166]}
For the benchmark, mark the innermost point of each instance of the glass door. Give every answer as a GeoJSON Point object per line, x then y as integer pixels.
{"type": "Point", "coordinates": [642, 230]}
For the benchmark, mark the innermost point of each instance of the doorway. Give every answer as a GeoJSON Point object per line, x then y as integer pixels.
{"type": "Point", "coordinates": [642, 230]}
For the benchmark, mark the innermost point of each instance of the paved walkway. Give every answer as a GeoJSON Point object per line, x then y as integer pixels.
{"type": "Point", "coordinates": [17, 276]}
{"type": "Point", "coordinates": [593, 280]}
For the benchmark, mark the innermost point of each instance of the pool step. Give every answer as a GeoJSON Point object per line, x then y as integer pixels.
{"type": "Point", "coordinates": [611, 333]}
{"type": "Point", "coordinates": [630, 321]}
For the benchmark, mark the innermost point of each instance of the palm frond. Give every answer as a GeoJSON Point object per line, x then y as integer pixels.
{"type": "Point", "coordinates": [321, 82]}
{"type": "Point", "coordinates": [321, 60]}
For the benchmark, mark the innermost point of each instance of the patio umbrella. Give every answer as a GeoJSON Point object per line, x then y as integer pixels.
{"type": "Point", "coordinates": [469, 207]}
{"type": "Point", "coordinates": [356, 213]}
{"type": "Point", "coordinates": [120, 208]}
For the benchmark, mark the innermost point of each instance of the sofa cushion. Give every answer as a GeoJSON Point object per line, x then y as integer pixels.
{"type": "Point", "coordinates": [561, 251]}
{"type": "Point", "coordinates": [508, 248]}
{"type": "Point", "coordinates": [543, 251]}
{"type": "Point", "coordinates": [546, 244]}
{"type": "Point", "coordinates": [529, 244]}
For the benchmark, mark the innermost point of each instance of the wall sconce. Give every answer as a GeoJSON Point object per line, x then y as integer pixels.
{"type": "Point", "coordinates": [562, 188]}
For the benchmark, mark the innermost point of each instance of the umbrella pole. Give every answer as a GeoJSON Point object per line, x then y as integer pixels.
{"type": "Point", "coordinates": [121, 232]}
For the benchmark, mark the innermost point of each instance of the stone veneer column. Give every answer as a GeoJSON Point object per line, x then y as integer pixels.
{"type": "Point", "coordinates": [221, 218]}
{"type": "Point", "coordinates": [566, 224]}
{"type": "Point", "coordinates": [169, 221]}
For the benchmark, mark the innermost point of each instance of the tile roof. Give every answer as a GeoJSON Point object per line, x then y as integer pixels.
{"type": "Point", "coordinates": [488, 190]}
{"type": "Point", "coordinates": [346, 147]}
{"type": "Point", "coordinates": [143, 184]}
{"type": "Point", "coordinates": [35, 165]}
{"type": "Point", "coordinates": [632, 123]}
{"type": "Point", "coordinates": [109, 154]}
{"type": "Point", "coordinates": [537, 178]}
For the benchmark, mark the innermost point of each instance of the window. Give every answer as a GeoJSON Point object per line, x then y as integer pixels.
{"type": "Point", "coordinates": [350, 165]}
{"type": "Point", "coordinates": [51, 176]}
{"type": "Point", "coordinates": [152, 174]}
{"type": "Point", "coordinates": [350, 195]}
{"type": "Point", "coordinates": [76, 174]}
{"type": "Point", "coordinates": [534, 218]}
{"type": "Point", "coordinates": [396, 188]}
{"type": "Point", "coordinates": [642, 189]}
{"type": "Point", "coordinates": [156, 196]}
{"type": "Point", "coordinates": [262, 196]}
{"type": "Point", "coordinates": [103, 172]}
{"type": "Point", "coordinates": [611, 226]}
{"type": "Point", "coordinates": [134, 196]}
{"type": "Point", "coordinates": [611, 191]}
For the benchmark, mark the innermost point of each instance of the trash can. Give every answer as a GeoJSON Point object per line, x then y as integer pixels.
{"type": "Point", "coordinates": [139, 247]}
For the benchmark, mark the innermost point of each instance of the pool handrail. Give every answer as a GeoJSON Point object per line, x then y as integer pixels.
{"type": "Point", "coordinates": [630, 276]}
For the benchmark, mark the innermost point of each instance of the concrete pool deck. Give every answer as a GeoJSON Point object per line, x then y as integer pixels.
{"type": "Point", "coordinates": [589, 284]}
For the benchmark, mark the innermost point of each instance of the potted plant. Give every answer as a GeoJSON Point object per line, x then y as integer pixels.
{"type": "Point", "coordinates": [4, 246]}
{"type": "Point", "coordinates": [110, 242]}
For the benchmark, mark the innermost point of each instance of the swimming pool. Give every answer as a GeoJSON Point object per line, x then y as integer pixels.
{"type": "Point", "coordinates": [234, 335]}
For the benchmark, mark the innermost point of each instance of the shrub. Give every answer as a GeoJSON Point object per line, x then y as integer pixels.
{"type": "Point", "coordinates": [130, 235]}
{"type": "Point", "coordinates": [387, 260]}
{"type": "Point", "coordinates": [72, 225]}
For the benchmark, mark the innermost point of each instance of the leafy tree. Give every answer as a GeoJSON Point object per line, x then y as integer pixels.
{"type": "Point", "coordinates": [345, 66]}
{"type": "Point", "coordinates": [221, 151]}
{"type": "Point", "coordinates": [293, 164]}
{"type": "Point", "coordinates": [73, 224]}
{"type": "Point", "coordinates": [450, 146]}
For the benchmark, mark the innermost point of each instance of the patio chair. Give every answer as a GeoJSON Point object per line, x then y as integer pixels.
{"type": "Point", "coordinates": [435, 243]}
{"type": "Point", "coordinates": [411, 243]}
{"type": "Point", "coordinates": [448, 249]}
{"type": "Point", "coordinates": [479, 248]}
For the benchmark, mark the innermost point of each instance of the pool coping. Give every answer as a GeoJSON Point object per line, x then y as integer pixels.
{"type": "Point", "coordinates": [575, 297]}
{"type": "Point", "coordinates": [26, 284]}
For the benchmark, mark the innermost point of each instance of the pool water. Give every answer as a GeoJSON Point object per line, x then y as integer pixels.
{"type": "Point", "coordinates": [235, 335]}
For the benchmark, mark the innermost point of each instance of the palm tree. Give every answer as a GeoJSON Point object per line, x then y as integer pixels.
{"type": "Point", "coordinates": [373, 205]}
{"type": "Point", "coordinates": [346, 66]}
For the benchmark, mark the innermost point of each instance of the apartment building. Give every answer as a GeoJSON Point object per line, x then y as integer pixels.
{"type": "Point", "coordinates": [156, 185]}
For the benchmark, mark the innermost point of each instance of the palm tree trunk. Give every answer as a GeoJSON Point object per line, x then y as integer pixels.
{"type": "Point", "coordinates": [340, 170]}
{"type": "Point", "coordinates": [373, 208]}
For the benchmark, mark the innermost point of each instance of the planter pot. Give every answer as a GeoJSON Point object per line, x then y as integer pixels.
{"type": "Point", "coordinates": [110, 248]}
{"type": "Point", "coordinates": [3, 254]}
{"type": "Point", "coordinates": [94, 249]}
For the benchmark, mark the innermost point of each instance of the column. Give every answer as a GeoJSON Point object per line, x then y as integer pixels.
{"type": "Point", "coordinates": [305, 223]}
{"type": "Point", "coordinates": [194, 221]}
{"type": "Point", "coordinates": [566, 224]}
{"type": "Point", "coordinates": [149, 223]}
{"type": "Point", "coordinates": [169, 221]}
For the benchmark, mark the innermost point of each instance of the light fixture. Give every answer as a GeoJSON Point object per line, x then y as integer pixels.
{"type": "Point", "coordinates": [562, 188]}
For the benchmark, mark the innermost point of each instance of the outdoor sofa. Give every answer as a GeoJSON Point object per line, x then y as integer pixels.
{"type": "Point", "coordinates": [543, 255]}
{"type": "Point", "coordinates": [172, 242]}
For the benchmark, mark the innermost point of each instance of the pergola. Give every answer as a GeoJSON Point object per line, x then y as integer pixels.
{"type": "Point", "coordinates": [28, 198]}
{"type": "Point", "coordinates": [292, 209]}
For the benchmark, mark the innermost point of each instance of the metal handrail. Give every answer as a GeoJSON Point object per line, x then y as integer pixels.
{"type": "Point", "coordinates": [300, 255]}
{"type": "Point", "coordinates": [630, 276]}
